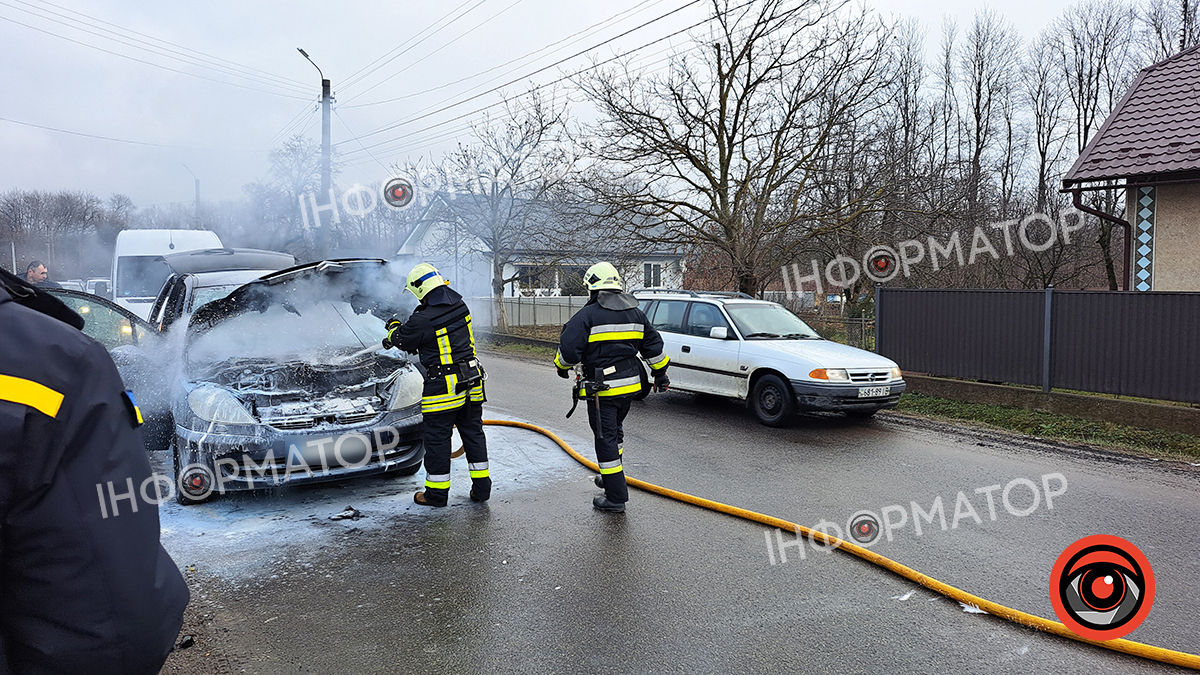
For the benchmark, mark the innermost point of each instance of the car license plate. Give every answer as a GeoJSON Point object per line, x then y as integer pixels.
{"type": "Point", "coordinates": [872, 392]}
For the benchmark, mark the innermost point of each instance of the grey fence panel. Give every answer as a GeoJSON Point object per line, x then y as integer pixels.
{"type": "Point", "coordinates": [982, 335]}
{"type": "Point", "coordinates": [1132, 344]}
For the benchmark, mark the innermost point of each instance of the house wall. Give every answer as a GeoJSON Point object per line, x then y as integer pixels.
{"type": "Point", "coordinates": [1177, 237]}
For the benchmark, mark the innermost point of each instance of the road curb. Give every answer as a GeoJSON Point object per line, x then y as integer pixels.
{"type": "Point", "coordinates": [1130, 413]}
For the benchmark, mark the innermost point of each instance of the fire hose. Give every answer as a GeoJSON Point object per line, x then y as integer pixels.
{"type": "Point", "coordinates": [1016, 616]}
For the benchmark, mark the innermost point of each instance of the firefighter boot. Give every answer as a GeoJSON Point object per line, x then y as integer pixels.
{"type": "Point", "coordinates": [599, 481]}
{"type": "Point", "coordinates": [481, 489]}
{"type": "Point", "coordinates": [432, 497]}
{"type": "Point", "coordinates": [602, 504]}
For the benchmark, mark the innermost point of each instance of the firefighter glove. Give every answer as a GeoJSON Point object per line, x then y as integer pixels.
{"type": "Point", "coordinates": [661, 382]}
{"type": "Point", "coordinates": [564, 373]}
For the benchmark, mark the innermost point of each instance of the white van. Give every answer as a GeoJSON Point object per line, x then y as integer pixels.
{"type": "Point", "coordinates": [138, 269]}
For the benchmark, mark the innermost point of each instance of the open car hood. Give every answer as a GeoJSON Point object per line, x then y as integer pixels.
{"type": "Point", "coordinates": [368, 284]}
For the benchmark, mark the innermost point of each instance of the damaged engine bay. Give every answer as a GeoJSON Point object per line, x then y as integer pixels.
{"type": "Point", "coordinates": [306, 395]}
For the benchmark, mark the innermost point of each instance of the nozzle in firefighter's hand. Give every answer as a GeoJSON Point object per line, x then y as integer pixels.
{"type": "Point", "coordinates": [564, 373]}
{"type": "Point", "coordinates": [661, 383]}
{"type": "Point", "coordinates": [392, 325]}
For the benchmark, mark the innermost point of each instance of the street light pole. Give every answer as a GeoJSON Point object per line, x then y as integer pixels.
{"type": "Point", "coordinates": [326, 161]}
{"type": "Point", "coordinates": [196, 207]}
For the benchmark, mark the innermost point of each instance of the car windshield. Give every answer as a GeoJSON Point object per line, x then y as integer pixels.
{"type": "Point", "coordinates": [306, 332]}
{"type": "Point", "coordinates": [141, 276]}
{"type": "Point", "coordinates": [768, 321]}
{"type": "Point", "coordinates": [206, 294]}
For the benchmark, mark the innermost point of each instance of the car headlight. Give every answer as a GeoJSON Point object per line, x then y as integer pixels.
{"type": "Point", "coordinates": [217, 405]}
{"type": "Point", "coordinates": [407, 390]}
{"type": "Point", "coordinates": [896, 374]}
{"type": "Point", "coordinates": [830, 374]}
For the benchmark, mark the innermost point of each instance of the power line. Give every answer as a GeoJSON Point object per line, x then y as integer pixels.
{"type": "Point", "coordinates": [149, 63]}
{"type": "Point", "coordinates": [545, 68]}
{"type": "Point", "coordinates": [355, 78]}
{"type": "Point", "coordinates": [469, 125]}
{"type": "Point", "coordinates": [109, 138]}
{"type": "Point", "coordinates": [589, 30]}
{"type": "Point", "coordinates": [351, 132]}
{"type": "Point", "coordinates": [249, 71]}
{"type": "Point", "coordinates": [414, 63]}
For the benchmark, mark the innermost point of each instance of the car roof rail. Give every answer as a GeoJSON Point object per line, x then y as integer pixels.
{"type": "Point", "coordinates": [696, 294]}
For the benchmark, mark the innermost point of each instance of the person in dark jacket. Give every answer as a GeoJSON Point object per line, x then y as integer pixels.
{"type": "Point", "coordinates": [606, 337]}
{"type": "Point", "coordinates": [439, 332]}
{"type": "Point", "coordinates": [85, 585]}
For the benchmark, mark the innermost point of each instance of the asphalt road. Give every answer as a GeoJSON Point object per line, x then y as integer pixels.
{"type": "Point", "coordinates": [537, 581]}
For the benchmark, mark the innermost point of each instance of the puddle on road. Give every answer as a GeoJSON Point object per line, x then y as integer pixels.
{"type": "Point", "coordinates": [235, 534]}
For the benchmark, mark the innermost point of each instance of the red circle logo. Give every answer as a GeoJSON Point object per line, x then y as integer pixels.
{"type": "Point", "coordinates": [1102, 587]}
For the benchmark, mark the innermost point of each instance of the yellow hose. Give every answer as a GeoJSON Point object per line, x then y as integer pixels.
{"type": "Point", "coordinates": [1029, 620]}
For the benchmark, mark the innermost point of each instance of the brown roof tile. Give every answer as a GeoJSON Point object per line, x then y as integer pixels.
{"type": "Point", "coordinates": [1154, 129]}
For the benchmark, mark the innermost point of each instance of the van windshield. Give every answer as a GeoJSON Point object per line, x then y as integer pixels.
{"type": "Point", "coordinates": [140, 276]}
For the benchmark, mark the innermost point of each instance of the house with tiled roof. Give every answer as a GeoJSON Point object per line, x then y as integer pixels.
{"type": "Point", "coordinates": [1150, 146]}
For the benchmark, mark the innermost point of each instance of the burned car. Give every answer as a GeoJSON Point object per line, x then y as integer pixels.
{"type": "Point", "coordinates": [285, 382]}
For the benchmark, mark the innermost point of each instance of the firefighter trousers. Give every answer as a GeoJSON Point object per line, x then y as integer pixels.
{"type": "Point", "coordinates": [438, 436]}
{"type": "Point", "coordinates": [607, 427]}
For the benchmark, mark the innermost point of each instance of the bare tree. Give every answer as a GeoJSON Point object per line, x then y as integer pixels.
{"type": "Point", "coordinates": [1046, 100]}
{"type": "Point", "coordinates": [722, 150]}
{"type": "Point", "coordinates": [1094, 39]}
{"type": "Point", "coordinates": [1167, 27]}
{"type": "Point", "coordinates": [500, 190]}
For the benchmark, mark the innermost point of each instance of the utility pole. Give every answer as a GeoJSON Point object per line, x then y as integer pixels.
{"type": "Point", "coordinates": [196, 206]}
{"type": "Point", "coordinates": [326, 161]}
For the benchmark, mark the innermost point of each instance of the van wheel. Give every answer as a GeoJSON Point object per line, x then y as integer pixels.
{"type": "Point", "coordinates": [771, 400]}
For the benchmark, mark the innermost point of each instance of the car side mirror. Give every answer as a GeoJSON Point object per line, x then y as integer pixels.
{"type": "Point", "coordinates": [102, 290]}
{"type": "Point", "coordinates": [718, 332]}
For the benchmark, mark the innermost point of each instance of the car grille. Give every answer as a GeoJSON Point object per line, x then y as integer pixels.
{"type": "Point", "coordinates": [289, 423]}
{"type": "Point", "coordinates": [870, 375]}
{"type": "Point", "coordinates": [309, 421]}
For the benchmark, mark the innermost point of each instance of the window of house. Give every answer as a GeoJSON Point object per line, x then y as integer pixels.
{"type": "Point", "coordinates": [653, 275]}
{"type": "Point", "coordinates": [529, 277]}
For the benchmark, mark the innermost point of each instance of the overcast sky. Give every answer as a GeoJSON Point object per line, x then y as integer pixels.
{"type": "Point", "coordinates": [222, 130]}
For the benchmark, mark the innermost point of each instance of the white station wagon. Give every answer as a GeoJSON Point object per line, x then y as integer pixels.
{"type": "Point", "coordinates": [729, 344]}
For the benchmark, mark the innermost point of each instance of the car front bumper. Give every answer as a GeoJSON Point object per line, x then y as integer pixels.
{"type": "Point", "coordinates": [272, 458]}
{"type": "Point", "coordinates": [844, 397]}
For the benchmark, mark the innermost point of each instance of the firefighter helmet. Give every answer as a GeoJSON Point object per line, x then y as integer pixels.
{"type": "Point", "coordinates": [602, 277]}
{"type": "Point", "coordinates": [424, 278]}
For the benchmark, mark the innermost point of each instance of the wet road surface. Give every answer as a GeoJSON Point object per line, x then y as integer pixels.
{"type": "Point", "coordinates": [537, 581]}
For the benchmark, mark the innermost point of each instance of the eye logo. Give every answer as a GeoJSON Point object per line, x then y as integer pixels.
{"type": "Point", "coordinates": [864, 528]}
{"type": "Point", "coordinates": [1102, 587]}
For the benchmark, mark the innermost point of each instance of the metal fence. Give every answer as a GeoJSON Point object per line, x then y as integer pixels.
{"type": "Point", "coordinates": [1125, 343]}
{"type": "Point", "coordinates": [555, 311]}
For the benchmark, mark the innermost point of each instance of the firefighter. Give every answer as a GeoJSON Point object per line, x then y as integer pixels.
{"type": "Point", "coordinates": [439, 332]}
{"type": "Point", "coordinates": [606, 337]}
{"type": "Point", "coordinates": [85, 585]}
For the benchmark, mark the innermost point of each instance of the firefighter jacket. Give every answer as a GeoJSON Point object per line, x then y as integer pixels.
{"type": "Point", "coordinates": [439, 333]}
{"type": "Point", "coordinates": [85, 586]}
{"type": "Point", "coordinates": [607, 336]}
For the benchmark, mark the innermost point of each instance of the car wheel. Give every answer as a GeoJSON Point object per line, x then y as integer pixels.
{"type": "Point", "coordinates": [771, 400]}
{"type": "Point", "coordinates": [408, 470]}
{"type": "Point", "coordinates": [862, 414]}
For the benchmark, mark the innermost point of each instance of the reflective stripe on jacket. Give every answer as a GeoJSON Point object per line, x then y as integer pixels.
{"type": "Point", "coordinates": [607, 343]}
{"type": "Point", "coordinates": [439, 332]}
